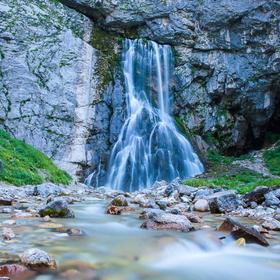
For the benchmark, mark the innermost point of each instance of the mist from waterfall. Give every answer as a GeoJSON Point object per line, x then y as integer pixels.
{"type": "Point", "coordinates": [149, 147]}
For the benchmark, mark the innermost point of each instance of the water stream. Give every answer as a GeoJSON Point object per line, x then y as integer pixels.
{"type": "Point", "coordinates": [120, 250]}
{"type": "Point", "coordinates": [149, 147]}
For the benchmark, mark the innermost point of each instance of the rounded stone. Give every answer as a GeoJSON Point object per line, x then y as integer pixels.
{"type": "Point", "coordinates": [201, 205]}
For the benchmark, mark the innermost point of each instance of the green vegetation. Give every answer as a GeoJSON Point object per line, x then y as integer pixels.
{"type": "Point", "coordinates": [243, 181]}
{"type": "Point", "coordinates": [108, 45]}
{"type": "Point", "coordinates": [222, 173]}
{"type": "Point", "coordinates": [23, 164]}
{"type": "Point", "coordinates": [272, 159]}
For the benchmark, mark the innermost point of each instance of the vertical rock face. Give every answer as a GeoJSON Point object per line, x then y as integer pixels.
{"type": "Point", "coordinates": [64, 94]}
{"type": "Point", "coordinates": [47, 84]}
{"type": "Point", "coordinates": [227, 86]}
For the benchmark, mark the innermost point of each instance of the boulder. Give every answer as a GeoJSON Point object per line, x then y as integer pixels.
{"type": "Point", "coordinates": [166, 221]}
{"type": "Point", "coordinates": [194, 218]}
{"type": "Point", "coordinates": [5, 201]}
{"type": "Point", "coordinates": [271, 199]}
{"type": "Point", "coordinates": [271, 224]}
{"type": "Point", "coordinates": [37, 259]}
{"type": "Point", "coordinates": [257, 195]}
{"type": "Point", "coordinates": [48, 189]}
{"type": "Point", "coordinates": [114, 210]}
{"type": "Point", "coordinates": [57, 209]}
{"type": "Point", "coordinates": [238, 230]}
{"type": "Point", "coordinates": [15, 271]}
{"type": "Point", "coordinates": [201, 205]}
{"type": "Point", "coordinates": [222, 202]}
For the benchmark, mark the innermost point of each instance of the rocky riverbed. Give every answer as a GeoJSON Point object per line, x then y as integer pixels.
{"type": "Point", "coordinates": [82, 233]}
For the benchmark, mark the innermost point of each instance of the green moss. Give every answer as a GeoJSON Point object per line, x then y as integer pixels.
{"type": "Point", "coordinates": [181, 127]}
{"type": "Point", "coordinates": [107, 44]}
{"type": "Point", "coordinates": [272, 159]}
{"type": "Point", "coordinates": [23, 164]}
{"type": "Point", "coordinates": [243, 182]}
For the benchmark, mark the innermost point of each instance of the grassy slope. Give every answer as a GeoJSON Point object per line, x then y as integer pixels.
{"type": "Point", "coordinates": [222, 173]}
{"type": "Point", "coordinates": [23, 164]}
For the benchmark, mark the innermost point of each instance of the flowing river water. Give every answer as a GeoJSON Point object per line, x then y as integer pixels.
{"type": "Point", "coordinates": [118, 249]}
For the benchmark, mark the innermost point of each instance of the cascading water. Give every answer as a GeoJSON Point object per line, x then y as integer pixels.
{"type": "Point", "coordinates": [149, 147]}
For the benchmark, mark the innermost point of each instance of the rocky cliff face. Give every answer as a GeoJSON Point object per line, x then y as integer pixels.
{"type": "Point", "coordinates": [61, 87]}
{"type": "Point", "coordinates": [228, 60]}
{"type": "Point", "coordinates": [47, 82]}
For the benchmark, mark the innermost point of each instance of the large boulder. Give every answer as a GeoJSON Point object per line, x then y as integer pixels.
{"type": "Point", "coordinates": [37, 259]}
{"type": "Point", "coordinates": [238, 230]}
{"type": "Point", "coordinates": [159, 220]}
{"type": "Point", "coordinates": [57, 209]}
{"type": "Point", "coordinates": [224, 201]}
{"type": "Point", "coordinates": [257, 195]}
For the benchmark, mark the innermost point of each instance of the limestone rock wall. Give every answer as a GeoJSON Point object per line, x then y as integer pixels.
{"type": "Point", "coordinates": [47, 82]}
{"type": "Point", "coordinates": [227, 74]}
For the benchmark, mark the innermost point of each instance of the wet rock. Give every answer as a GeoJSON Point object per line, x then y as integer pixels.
{"type": "Point", "coordinates": [47, 189]}
{"type": "Point", "coordinates": [14, 270]}
{"type": "Point", "coordinates": [50, 225]}
{"type": "Point", "coordinates": [194, 218]}
{"type": "Point", "coordinates": [186, 190]}
{"type": "Point", "coordinates": [271, 224]}
{"type": "Point", "coordinates": [71, 231]}
{"type": "Point", "coordinates": [201, 205]}
{"type": "Point", "coordinates": [203, 193]}
{"type": "Point", "coordinates": [6, 202]}
{"type": "Point", "coordinates": [57, 209]}
{"type": "Point", "coordinates": [222, 202]}
{"type": "Point", "coordinates": [119, 201]}
{"type": "Point", "coordinates": [185, 199]}
{"type": "Point", "coordinates": [271, 199]}
{"type": "Point", "coordinates": [166, 221]}
{"type": "Point", "coordinates": [8, 233]}
{"type": "Point", "coordinates": [47, 219]}
{"type": "Point", "coordinates": [114, 210]}
{"type": "Point", "coordinates": [162, 204]}
{"type": "Point", "coordinates": [240, 242]}
{"type": "Point", "coordinates": [37, 259]}
{"type": "Point", "coordinates": [68, 199]}
{"type": "Point", "coordinates": [238, 230]}
{"type": "Point", "coordinates": [257, 195]}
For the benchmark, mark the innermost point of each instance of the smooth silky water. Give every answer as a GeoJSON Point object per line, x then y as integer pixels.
{"type": "Point", "coordinates": [149, 147]}
{"type": "Point", "coordinates": [121, 250]}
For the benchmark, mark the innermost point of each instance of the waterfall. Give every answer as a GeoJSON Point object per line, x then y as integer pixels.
{"type": "Point", "coordinates": [149, 147]}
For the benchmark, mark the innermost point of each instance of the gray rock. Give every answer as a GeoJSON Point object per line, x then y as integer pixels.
{"type": "Point", "coordinates": [257, 195]}
{"type": "Point", "coordinates": [201, 205]}
{"type": "Point", "coordinates": [271, 224]}
{"type": "Point", "coordinates": [271, 199]}
{"type": "Point", "coordinates": [48, 189]}
{"type": "Point", "coordinates": [57, 209]}
{"type": "Point", "coordinates": [222, 202]}
{"type": "Point", "coordinates": [166, 221]}
{"type": "Point", "coordinates": [227, 60]}
{"type": "Point", "coordinates": [37, 259]}
{"type": "Point", "coordinates": [203, 193]}
{"type": "Point", "coordinates": [238, 230]}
